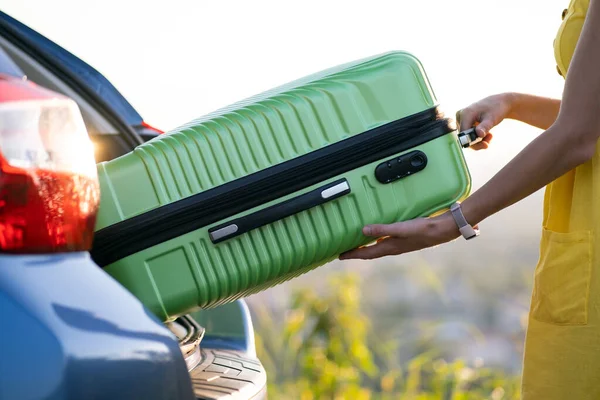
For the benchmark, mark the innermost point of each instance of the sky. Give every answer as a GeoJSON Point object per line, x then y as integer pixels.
{"type": "Point", "coordinates": [178, 60]}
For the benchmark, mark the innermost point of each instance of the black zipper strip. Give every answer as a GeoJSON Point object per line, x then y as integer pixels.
{"type": "Point", "coordinates": [153, 227]}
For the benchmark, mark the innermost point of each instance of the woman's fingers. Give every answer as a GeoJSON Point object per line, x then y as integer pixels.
{"type": "Point", "coordinates": [466, 118]}
{"type": "Point", "coordinates": [380, 230]}
{"type": "Point", "coordinates": [483, 123]}
{"type": "Point", "coordinates": [387, 242]}
{"type": "Point", "coordinates": [405, 237]}
{"type": "Point", "coordinates": [398, 229]}
{"type": "Point", "coordinates": [484, 127]}
{"type": "Point", "coordinates": [484, 144]}
{"type": "Point", "coordinates": [381, 249]}
{"type": "Point", "coordinates": [480, 146]}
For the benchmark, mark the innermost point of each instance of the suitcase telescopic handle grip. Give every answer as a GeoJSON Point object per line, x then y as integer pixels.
{"type": "Point", "coordinates": [277, 212]}
{"type": "Point", "coordinates": [468, 138]}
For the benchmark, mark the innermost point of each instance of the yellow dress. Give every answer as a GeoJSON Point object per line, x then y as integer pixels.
{"type": "Point", "coordinates": [562, 347]}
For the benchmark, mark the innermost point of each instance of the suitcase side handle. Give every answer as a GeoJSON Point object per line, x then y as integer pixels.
{"type": "Point", "coordinates": [279, 211]}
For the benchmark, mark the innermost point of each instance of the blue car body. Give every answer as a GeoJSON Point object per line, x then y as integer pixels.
{"type": "Point", "coordinates": [70, 331]}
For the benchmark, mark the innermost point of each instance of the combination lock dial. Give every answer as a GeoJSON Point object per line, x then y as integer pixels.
{"type": "Point", "coordinates": [401, 167]}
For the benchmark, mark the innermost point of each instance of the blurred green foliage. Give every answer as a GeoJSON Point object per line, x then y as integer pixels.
{"type": "Point", "coordinates": [326, 348]}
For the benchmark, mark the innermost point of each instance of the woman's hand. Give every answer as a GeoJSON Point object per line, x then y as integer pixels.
{"type": "Point", "coordinates": [537, 111]}
{"type": "Point", "coordinates": [406, 237]}
{"type": "Point", "coordinates": [485, 114]}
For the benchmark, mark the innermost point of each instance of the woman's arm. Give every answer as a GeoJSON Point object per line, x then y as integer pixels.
{"type": "Point", "coordinates": [537, 111]}
{"type": "Point", "coordinates": [570, 141]}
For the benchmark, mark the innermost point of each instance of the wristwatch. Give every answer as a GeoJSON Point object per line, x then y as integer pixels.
{"type": "Point", "coordinates": [466, 230]}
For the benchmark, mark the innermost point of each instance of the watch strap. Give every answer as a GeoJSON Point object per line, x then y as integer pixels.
{"type": "Point", "coordinates": [465, 229]}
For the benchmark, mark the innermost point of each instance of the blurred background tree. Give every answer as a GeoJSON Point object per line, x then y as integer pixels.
{"type": "Point", "coordinates": [325, 347]}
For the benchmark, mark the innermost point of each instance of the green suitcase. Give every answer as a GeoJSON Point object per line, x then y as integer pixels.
{"type": "Point", "coordinates": [269, 188]}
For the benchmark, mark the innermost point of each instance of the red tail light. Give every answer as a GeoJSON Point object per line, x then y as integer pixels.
{"type": "Point", "coordinates": [145, 125]}
{"type": "Point", "coordinates": [49, 192]}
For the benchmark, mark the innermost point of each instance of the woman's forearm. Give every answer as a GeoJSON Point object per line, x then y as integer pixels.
{"type": "Point", "coordinates": [537, 111]}
{"type": "Point", "coordinates": [549, 156]}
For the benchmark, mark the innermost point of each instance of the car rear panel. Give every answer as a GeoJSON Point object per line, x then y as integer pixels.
{"type": "Point", "coordinates": [75, 333]}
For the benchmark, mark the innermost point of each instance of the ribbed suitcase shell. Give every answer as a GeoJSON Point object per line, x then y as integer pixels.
{"type": "Point", "coordinates": [190, 271]}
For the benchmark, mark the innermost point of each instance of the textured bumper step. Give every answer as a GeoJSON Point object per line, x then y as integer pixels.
{"type": "Point", "coordinates": [228, 375]}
